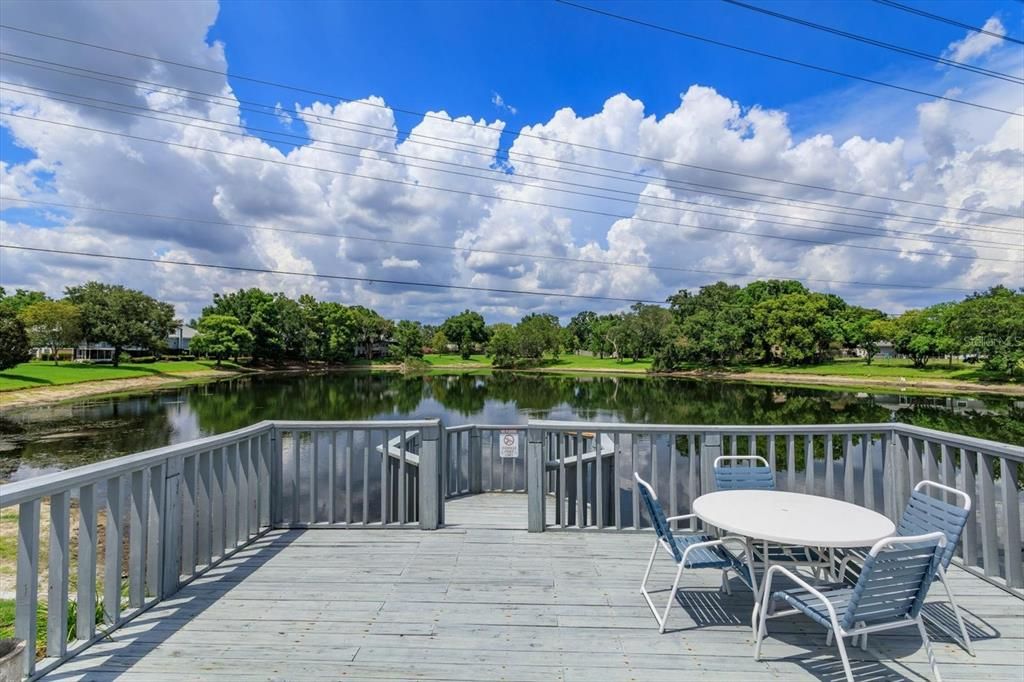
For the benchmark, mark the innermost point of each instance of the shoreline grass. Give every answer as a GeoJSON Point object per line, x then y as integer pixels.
{"type": "Point", "coordinates": [37, 374]}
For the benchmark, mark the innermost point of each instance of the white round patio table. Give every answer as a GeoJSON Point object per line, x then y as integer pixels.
{"type": "Point", "coordinates": [792, 518]}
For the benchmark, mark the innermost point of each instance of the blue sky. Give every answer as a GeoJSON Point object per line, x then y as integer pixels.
{"type": "Point", "coordinates": [953, 174]}
{"type": "Point", "coordinates": [541, 56]}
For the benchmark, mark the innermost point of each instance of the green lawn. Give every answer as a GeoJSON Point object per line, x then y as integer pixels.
{"type": "Point", "coordinates": [455, 360]}
{"type": "Point", "coordinates": [895, 368]}
{"type": "Point", "coordinates": [33, 374]}
{"type": "Point", "coordinates": [570, 362]}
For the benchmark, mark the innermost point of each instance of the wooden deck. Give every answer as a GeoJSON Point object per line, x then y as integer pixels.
{"type": "Point", "coordinates": [482, 603]}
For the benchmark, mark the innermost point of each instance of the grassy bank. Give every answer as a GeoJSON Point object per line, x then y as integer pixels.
{"type": "Point", "coordinates": [36, 374]}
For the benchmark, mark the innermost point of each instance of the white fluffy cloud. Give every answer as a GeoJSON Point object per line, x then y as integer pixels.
{"type": "Point", "coordinates": [974, 45]}
{"type": "Point", "coordinates": [361, 180]}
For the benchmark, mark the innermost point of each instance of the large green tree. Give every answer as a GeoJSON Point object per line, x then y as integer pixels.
{"type": "Point", "coordinates": [371, 329]}
{"type": "Point", "coordinates": [503, 347]}
{"type": "Point", "coordinates": [14, 345]}
{"type": "Point", "coordinates": [20, 299]}
{"type": "Point", "coordinates": [579, 331]}
{"type": "Point", "coordinates": [466, 330]}
{"type": "Point", "coordinates": [409, 339]}
{"type": "Point", "coordinates": [990, 325]}
{"type": "Point", "coordinates": [53, 325]}
{"type": "Point", "coordinates": [797, 328]}
{"type": "Point", "coordinates": [539, 334]}
{"type": "Point", "coordinates": [863, 328]}
{"type": "Point", "coordinates": [715, 323]}
{"type": "Point", "coordinates": [122, 317]}
{"type": "Point", "coordinates": [220, 337]}
{"type": "Point", "coordinates": [923, 334]}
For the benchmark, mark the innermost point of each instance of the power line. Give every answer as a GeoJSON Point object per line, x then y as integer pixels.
{"type": "Point", "coordinates": [527, 202]}
{"type": "Point", "coordinates": [785, 60]}
{"type": "Point", "coordinates": [946, 20]}
{"type": "Point", "coordinates": [473, 124]}
{"type": "Point", "coordinates": [347, 278]}
{"type": "Point", "coordinates": [490, 153]}
{"type": "Point", "coordinates": [498, 252]}
{"type": "Point", "coordinates": [879, 43]}
{"type": "Point", "coordinates": [499, 176]}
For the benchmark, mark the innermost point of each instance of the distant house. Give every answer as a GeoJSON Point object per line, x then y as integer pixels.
{"type": "Point", "coordinates": [177, 343]}
{"type": "Point", "coordinates": [180, 339]}
{"type": "Point", "coordinates": [885, 351]}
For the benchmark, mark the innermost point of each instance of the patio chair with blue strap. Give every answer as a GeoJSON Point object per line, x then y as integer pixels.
{"type": "Point", "coordinates": [926, 513]}
{"type": "Point", "coordinates": [690, 550]}
{"type": "Point", "coordinates": [888, 594]}
{"type": "Point", "coordinates": [752, 472]}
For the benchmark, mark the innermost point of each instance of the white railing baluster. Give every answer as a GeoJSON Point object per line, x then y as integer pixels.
{"type": "Point", "coordinates": [349, 437]}
{"type": "Point", "coordinates": [217, 495]}
{"type": "Point", "coordinates": [26, 598]}
{"type": "Point", "coordinates": [314, 466]}
{"type": "Point", "coordinates": [599, 480]}
{"type": "Point", "coordinates": [332, 477]}
{"type": "Point", "coordinates": [849, 493]}
{"type": "Point", "coordinates": [830, 465]}
{"type": "Point", "coordinates": [204, 510]}
{"type": "Point", "coordinates": [155, 535]}
{"type": "Point", "coordinates": [113, 551]}
{"type": "Point", "coordinates": [868, 471]}
{"type": "Point", "coordinates": [969, 541]}
{"type": "Point", "coordinates": [137, 540]}
{"type": "Point", "coordinates": [809, 464]}
{"type": "Point", "coordinates": [188, 516]}
{"type": "Point", "coordinates": [57, 590]}
{"type": "Point", "coordinates": [296, 478]}
{"type": "Point", "coordinates": [791, 462]}
{"type": "Point", "coordinates": [402, 517]}
{"type": "Point", "coordinates": [85, 626]}
{"type": "Point", "coordinates": [1011, 515]}
{"type": "Point", "coordinates": [385, 478]}
{"type": "Point", "coordinates": [989, 521]}
{"type": "Point", "coordinates": [948, 470]}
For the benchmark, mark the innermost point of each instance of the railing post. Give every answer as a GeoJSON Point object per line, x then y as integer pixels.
{"type": "Point", "coordinates": [535, 480]}
{"type": "Point", "coordinates": [172, 528]}
{"type": "Point", "coordinates": [276, 478]}
{"type": "Point", "coordinates": [710, 449]}
{"type": "Point", "coordinates": [475, 462]}
{"type": "Point", "coordinates": [430, 478]}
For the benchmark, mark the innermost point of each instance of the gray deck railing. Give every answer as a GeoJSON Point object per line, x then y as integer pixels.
{"type": "Point", "coordinates": [128, 532]}
{"type": "Point", "coordinates": [473, 461]}
{"type": "Point", "coordinates": [146, 524]}
{"type": "Point", "coordinates": [587, 468]}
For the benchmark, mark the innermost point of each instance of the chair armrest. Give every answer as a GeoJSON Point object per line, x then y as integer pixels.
{"type": "Point", "coordinates": [776, 568]}
{"type": "Point", "coordinates": [699, 545]}
{"type": "Point", "coordinates": [682, 517]}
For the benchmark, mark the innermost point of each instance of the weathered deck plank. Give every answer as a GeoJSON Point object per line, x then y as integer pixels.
{"type": "Point", "coordinates": [472, 603]}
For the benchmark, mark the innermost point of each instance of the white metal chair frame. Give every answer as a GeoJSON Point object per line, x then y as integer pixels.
{"type": "Point", "coordinates": [663, 544]}
{"type": "Point", "coordinates": [861, 630]}
{"type": "Point", "coordinates": [941, 574]}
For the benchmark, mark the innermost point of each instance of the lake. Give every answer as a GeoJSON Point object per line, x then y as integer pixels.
{"type": "Point", "coordinates": [41, 439]}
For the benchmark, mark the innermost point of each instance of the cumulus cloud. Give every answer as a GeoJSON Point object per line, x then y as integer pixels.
{"type": "Point", "coordinates": [618, 203]}
{"type": "Point", "coordinates": [974, 44]}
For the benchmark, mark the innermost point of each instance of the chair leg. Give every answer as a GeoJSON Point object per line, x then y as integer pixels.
{"type": "Point", "coordinates": [762, 627]}
{"type": "Point", "coordinates": [959, 618]}
{"type": "Point", "coordinates": [671, 598]}
{"type": "Point", "coordinates": [643, 585]}
{"type": "Point", "coordinates": [846, 659]}
{"type": "Point", "coordinates": [725, 582]}
{"type": "Point", "coordinates": [928, 649]}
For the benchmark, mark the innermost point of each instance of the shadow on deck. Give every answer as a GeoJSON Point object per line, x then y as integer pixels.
{"type": "Point", "coordinates": [477, 601]}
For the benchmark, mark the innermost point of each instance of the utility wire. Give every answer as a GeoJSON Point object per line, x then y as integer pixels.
{"type": "Point", "coordinates": [879, 43]}
{"type": "Point", "coordinates": [460, 249]}
{"type": "Point", "coordinates": [785, 60]}
{"type": "Point", "coordinates": [474, 124]}
{"type": "Point", "coordinates": [500, 176]}
{"type": "Point", "coordinates": [482, 195]}
{"type": "Point", "coordinates": [946, 20]}
{"type": "Point", "coordinates": [489, 153]}
{"type": "Point", "coordinates": [315, 275]}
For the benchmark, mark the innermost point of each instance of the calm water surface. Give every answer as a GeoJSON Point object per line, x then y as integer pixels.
{"type": "Point", "coordinates": [42, 439]}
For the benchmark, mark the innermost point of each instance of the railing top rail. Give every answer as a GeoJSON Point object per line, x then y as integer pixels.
{"type": "Point", "coordinates": [377, 424]}
{"type": "Point", "coordinates": [59, 481]}
{"type": "Point", "coordinates": [741, 429]}
{"type": "Point", "coordinates": [990, 447]}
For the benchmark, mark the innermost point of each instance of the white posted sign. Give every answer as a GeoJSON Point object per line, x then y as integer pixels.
{"type": "Point", "coordinates": [509, 443]}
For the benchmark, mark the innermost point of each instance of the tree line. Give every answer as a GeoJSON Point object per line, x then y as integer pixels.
{"type": "Point", "coordinates": [765, 322]}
